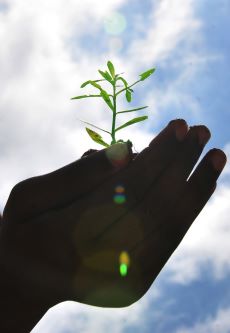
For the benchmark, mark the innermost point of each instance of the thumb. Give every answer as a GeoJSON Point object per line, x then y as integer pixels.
{"type": "Point", "coordinates": [88, 152]}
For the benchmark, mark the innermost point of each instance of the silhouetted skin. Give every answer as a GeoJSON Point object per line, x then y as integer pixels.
{"type": "Point", "coordinates": [62, 233]}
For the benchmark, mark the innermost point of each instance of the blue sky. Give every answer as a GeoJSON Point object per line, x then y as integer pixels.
{"type": "Point", "coordinates": [48, 50]}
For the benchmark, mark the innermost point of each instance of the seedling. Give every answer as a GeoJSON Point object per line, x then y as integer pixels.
{"type": "Point", "coordinates": [110, 98]}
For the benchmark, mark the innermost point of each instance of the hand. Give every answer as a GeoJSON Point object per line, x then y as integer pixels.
{"type": "Point", "coordinates": [66, 246]}
{"type": "Point", "coordinates": [161, 204]}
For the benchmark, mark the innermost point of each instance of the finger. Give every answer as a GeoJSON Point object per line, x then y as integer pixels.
{"type": "Point", "coordinates": [38, 194]}
{"type": "Point", "coordinates": [168, 187]}
{"type": "Point", "coordinates": [162, 241]}
{"type": "Point", "coordinates": [196, 194]}
{"type": "Point", "coordinates": [153, 160]}
{"type": "Point", "coordinates": [199, 188]}
{"type": "Point", "coordinates": [193, 145]}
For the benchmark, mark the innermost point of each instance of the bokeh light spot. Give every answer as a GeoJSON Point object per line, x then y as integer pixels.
{"type": "Point", "coordinates": [115, 44]}
{"type": "Point", "coordinates": [119, 189]}
{"type": "Point", "coordinates": [123, 269]}
{"type": "Point", "coordinates": [124, 261]}
{"type": "Point", "coordinates": [115, 23]}
{"type": "Point", "coordinates": [119, 198]}
{"type": "Point", "coordinates": [124, 258]}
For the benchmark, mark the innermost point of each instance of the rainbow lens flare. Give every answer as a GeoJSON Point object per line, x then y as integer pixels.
{"type": "Point", "coordinates": [119, 197]}
{"type": "Point", "coordinates": [124, 261]}
{"type": "Point", "coordinates": [123, 269]}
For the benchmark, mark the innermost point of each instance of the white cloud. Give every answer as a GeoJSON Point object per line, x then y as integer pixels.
{"type": "Point", "coordinates": [172, 22]}
{"type": "Point", "coordinates": [220, 323]}
{"type": "Point", "coordinates": [173, 40]}
{"type": "Point", "coordinates": [227, 152]}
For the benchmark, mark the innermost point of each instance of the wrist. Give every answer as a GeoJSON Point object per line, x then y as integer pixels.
{"type": "Point", "coordinates": [21, 306]}
{"type": "Point", "coordinates": [19, 312]}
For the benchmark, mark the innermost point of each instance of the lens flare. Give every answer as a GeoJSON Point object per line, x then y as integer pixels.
{"type": "Point", "coordinates": [124, 261]}
{"type": "Point", "coordinates": [115, 44]}
{"type": "Point", "coordinates": [119, 197]}
{"type": "Point", "coordinates": [119, 189]}
{"type": "Point", "coordinates": [124, 258]}
{"type": "Point", "coordinates": [115, 23]}
{"type": "Point", "coordinates": [123, 269]}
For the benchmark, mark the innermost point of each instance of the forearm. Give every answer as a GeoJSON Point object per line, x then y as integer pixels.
{"type": "Point", "coordinates": [16, 316]}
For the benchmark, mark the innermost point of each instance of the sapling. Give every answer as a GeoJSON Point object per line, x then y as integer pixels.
{"type": "Point", "coordinates": [110, 98]}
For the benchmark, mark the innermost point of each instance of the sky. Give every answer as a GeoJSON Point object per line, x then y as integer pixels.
{"type": "Point", "coordinates": [48, 48]}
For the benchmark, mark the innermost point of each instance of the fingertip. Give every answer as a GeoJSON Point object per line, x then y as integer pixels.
{"type": "Point", "coordinates": [209, 169]}
{"type": "Point", "coordinates": [177, 121]}
{"type": "Point", "coordinates": [218, 159]}
{"type": "Point", "coordinates": [180, 127]}
{"type": "Point", "coordinates": [200, 134]}
{"type": "Point", "coordinates": [175, 131]}
{"type": "Point", "coordinates": [204, 134]}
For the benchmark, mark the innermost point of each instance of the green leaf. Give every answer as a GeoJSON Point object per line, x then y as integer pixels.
{"type": "Point", "coordinates": [123, 80]}
{"type": "Point", "coordinates": [106, 76]}
{"type": "Point", "coordinates": [85, 83]}
{"type": "Point", "coordinates": [82, 96]}
{"type": "Point", "coordinates": [106, 98]}
{"type": "Point", "coordinates": [88, 82]}
{"type": "Point", "coordinates": [127, 90]}
{"type": "Point", "coordinates": [96, 137]}
{"type": "Point", "coordinates": [128, 95]}
{"type": "Point", "coordinates": [132, 121]}
{"type": "Point", "coordinates": [85, 122]}
{"type": "Point", "coordinates": [136, 109]}
{"type": "Point", "coordinates": [96, 85]}
{"type": "Point", "coordinates": [111, 69]}
{"type": "Point", "coordinates": [85, 96]}
{"type": "Point", "coordinates": [146, 74]}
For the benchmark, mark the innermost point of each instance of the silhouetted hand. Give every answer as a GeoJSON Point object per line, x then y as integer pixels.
{"type": "Point", "coordinates": [63, 233]}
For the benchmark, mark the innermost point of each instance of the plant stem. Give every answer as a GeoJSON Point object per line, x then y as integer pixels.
{"type": "Point", "coordinates": [114, 113]}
